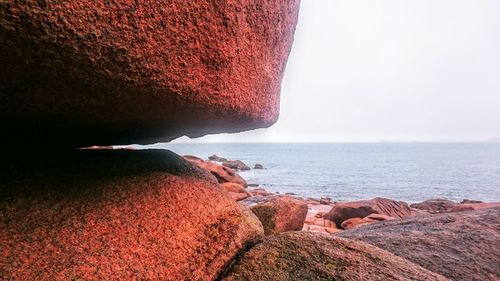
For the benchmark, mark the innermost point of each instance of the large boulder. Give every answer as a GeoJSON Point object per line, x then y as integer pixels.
{"type": "Point", "coordinates": [223, 174]}
{"type": "Point", "coordinates": [360, 209]}
{"type": "Point", "coordinates": [117, 215]}
{"type": "Point", "coordinates": [79, 72]}
{"type": "Point", "coordinates": [279, 213]}
{"type": "Point", "coordinates": [461, 246]}
{"type": "Point", "coordinates": [308, 256]}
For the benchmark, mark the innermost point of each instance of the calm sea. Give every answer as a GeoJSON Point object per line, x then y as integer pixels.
{"type": "Point", "coordinates": [349, 171]}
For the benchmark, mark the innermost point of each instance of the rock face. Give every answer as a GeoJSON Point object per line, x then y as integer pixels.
{"type": "Point", "coordinates": [280, 213]}
{"type": "Point", "coordinates": [223, 174]}
{"type": "Point", "coordinates": [124, 215]}
{"type": "Point", "coordinates": [309, 256]}
{"type": "Point", "coordinates": [460, 246]}
{"type": "Point", "coordinates": [363, 208]}
{"type": "Point", "coordinates": [79, 73]}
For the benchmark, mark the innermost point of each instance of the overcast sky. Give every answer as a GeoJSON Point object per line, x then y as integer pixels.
{"type": "Point", "coordinates": [364, 70]}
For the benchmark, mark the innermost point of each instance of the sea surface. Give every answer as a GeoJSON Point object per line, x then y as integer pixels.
{"type": "Point", "coordinates": [350, 171]}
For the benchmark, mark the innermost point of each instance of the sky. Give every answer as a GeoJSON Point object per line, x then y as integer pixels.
{"type": "Point", "coordinates": [389, 70]}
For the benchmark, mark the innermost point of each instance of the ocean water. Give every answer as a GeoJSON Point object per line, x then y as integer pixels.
{"type": "Point", "coordinates": [350, 171]}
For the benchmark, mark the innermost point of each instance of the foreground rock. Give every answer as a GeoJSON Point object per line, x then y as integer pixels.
{"type": "Point", "coordinates": [461, 246]}
{"type": "Point", "coordinates": [117, 215]}
{"type": "Point", "coordinates": [360, 209]}
{"type": "Point", "coordinates": [73, 71]}
{"type": "Point", "coordinates": [309, 256]}
{"type": "Point", "coordinates": [279, 213]}
{"type": "Point", "coordinates": [223, 174]}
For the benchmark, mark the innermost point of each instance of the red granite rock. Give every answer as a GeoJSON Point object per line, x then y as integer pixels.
{"type": "Point", "coordinates": [318, 257]}
{"type": "Point", "coordinates": [223, 174]}
{"type": "Point", "coordinates": [80, 73]}
{"type": "Point", "coordinates": [360, 209]}
{"type": "Point", "coordinates": [356, 222]}
{"type": "Point", "coordinates": [460, 246]}
{"type": "Point", "coordinates": [117, 215]}
{"type": "Point", "coordinates": [280, 213]}
{"type": "Point", "coordinates": [435, 205]}
{"type": "Point", "coordinates": [236, 191]}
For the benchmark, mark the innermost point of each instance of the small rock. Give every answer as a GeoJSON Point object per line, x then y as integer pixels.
{"type": "Point", "coordinates": [435, 205]}
{"type": "Point", "coordinates": [258, 167]}
{"type": "Point", "coordinates": [468, 201]}
{"type": "Point", "coordinates": [281, 213]}
{"type": "Point", "coordinates": [216, 158]}
{"type": "Point", "coordinates": [356, 222]}
{"type": "Point", "coordinates": [236, 165]}
{"type": "Point", "coordinates": [379, 217]}
{"type": "Point", "coordinates": [236, 191]}
{"type": "Point", "coordinates": [325, 200]}
{"type": "Point", "coordinates": [221, 173]}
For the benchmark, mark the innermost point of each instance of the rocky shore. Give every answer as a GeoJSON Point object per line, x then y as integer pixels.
{"type": "Point", "coordinates": [445, 237]}
{"type": "Point", "coordinates": [79, 77]}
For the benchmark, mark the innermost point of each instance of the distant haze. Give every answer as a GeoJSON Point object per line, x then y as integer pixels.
{"type": "Point", "coordinates": [364, 70]}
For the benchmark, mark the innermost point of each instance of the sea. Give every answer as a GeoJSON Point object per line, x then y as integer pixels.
{"type": "Point", "coordinates": [411, 172]}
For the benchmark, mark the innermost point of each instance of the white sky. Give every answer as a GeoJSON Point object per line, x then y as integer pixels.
{"type": "Point", "coordinates": [364, 70]}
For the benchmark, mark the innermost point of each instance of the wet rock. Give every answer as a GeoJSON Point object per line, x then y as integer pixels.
{"type": "Point", "coordinates": [117, 214]}
{"type": "Point", "coordinates": [460, 246]}
{"type": "Point", "coordinates": [221, 173]}
{"type": "Point", "coordinates": [258, 167]}
{"type": "Point", "coordinates": [360, 209]}
{"type": "Point", "coordinates": [216, 158]}
{"type": "Point", "coordinates": [280, 213]}
{"type": "Point", "coordinates": [236, 165]}
{"type": "Point", "coordinates": [312, 256]}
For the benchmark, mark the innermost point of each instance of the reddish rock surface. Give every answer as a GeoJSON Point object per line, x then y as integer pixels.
{"type": "Point", "coordinates": [236, 191]}
{"type": "Point", "coordinates": [117, 215]}
{"type": "Point", "coordinates": [80, 73]}
{"type": "Point", "coordinates": [279, 213]}
{"type": "Point", "coordinates": [223, 174]}
{"type": "Point", "coordinates": [356, 222]}
{"type": "Point", "coordinates": [360, 209]}
{"type": "Point", "coordinates": [312, 256]}
{"type": "Point", "coordinates": [461, 246]}
{"type": "Point", "coordinates": [435, 205]}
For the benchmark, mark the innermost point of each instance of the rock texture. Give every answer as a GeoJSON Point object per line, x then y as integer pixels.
{"type": "Point", "coordinates": [279, 213]}
{"type": "Point", "coordinates": [236, 191]}
{"type": "Point", "coordinates": [460, 246]}
{"type": "Point", "coordinates": [79, 73]}
{"type": "Point", "coordinates": [223, 174]}
{"type": "Point", "coordinates": [310, 256]}
{"type": "Point", "coordinates": [360, 209]}
{"type": "Point", "coordinates": [116, 215]}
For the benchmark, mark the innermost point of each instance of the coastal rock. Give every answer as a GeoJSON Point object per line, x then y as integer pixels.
{"type": "Point", "coordinates": [80, 73]}
{"type": "Point", "coordinates": [379, 217]}
{"type": "Point", "coordinates": [325, 201]}
{"type": "Point", "coordinates": [223, 174]}
{"type": "Point", "coordinates": [460, 246]}
{"type": "Point", "coordinates": [317, 257]}
{"type": "Point", "coordinates": [216, 158]}
{"type": "Point", "coordinates": [356, 222]}
{"type": "Point", "coordinates": [258, 167]}
{"type": "Point", "coordinates": [236, 191]}
{"type": "Point", "coordinates": [280, 213]}
{"type": "Point", "coordinates": [469, 201]}
{"type": "Point", "coordinates": [260, 192]}
{"type": "Point", "coordinates": [360, 209]}
{"type": "Point", "coordinates": [117, 215]}
{"type": "Point", "coordinates": [435, 205]}
{"type": "Point", "coordinates": [474, 206]}
{"type": "Point", "coordinates": [236, 165]}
